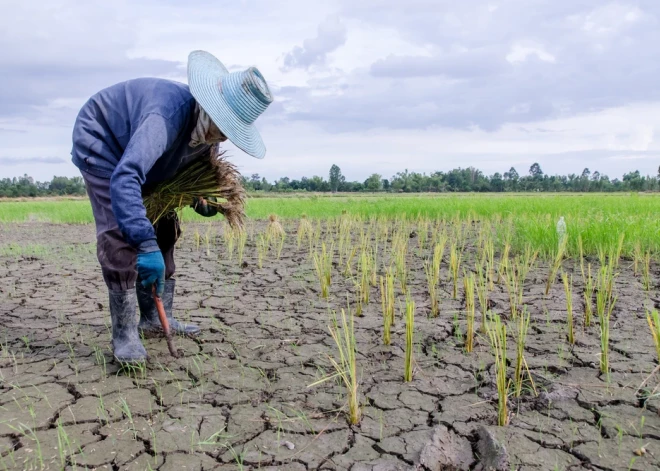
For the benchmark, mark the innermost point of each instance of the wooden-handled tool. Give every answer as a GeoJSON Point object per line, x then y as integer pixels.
{"type": "Point", "coordinates": [166, 325]}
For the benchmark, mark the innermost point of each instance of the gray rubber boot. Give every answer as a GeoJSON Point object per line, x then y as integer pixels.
{"type": "Point", "coordinates": [149, 321]}
{"type": "Point", "coordinates": [126, 343]}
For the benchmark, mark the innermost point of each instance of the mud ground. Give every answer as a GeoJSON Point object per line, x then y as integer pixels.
{"type": "Point", "coordinates": [239, 397]}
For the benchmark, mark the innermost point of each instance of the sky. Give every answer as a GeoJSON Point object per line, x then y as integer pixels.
{"type": "Point", "coordinates": [374, 86]}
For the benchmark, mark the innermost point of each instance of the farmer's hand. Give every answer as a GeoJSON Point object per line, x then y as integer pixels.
{"type": "Point", "coordinates": [151, 270]}
{"type": "Point", "coordinates": [202, 208]}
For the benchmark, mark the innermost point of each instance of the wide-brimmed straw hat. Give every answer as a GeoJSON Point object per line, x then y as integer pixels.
{"type": "Point", "coordinates": [233, 100]}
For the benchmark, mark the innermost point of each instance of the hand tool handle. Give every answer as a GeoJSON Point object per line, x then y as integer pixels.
{"type": "Point", "coordinates": [164, 322]}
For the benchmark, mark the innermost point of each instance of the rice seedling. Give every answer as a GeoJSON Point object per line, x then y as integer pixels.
{"type": "Point", "coordinates": [556, 264]}
{"type": "Point", "coordinates": [509, 274]}
{"type": "Point", "coordinates": [323, 266]}
{"type": "Point", "coordinates": [653, 319]}
{"type": "Point", "coordinates": [387, 301]}
{"type": "Point", "coordinates": [422, 233]}
{"type": "Point", "coordinates": [497, 336]}
{"type": "Point", "coordinates": [212, 178]}
{"type": "Point", "coordinates": [229, 237]}
{"type": "Point", "coordinates": [468, 283]}
{"type": "Point", "coordinates": [604, 293]}
{"type": "Point", "coordinates": [305, 231]}
{"type": "Point", "coordinates": [242, 241]}
{"type": "Point", "coordinates": [455, 256]}
{"type": "Point", "coordinates": [197, 238]}
{"type": "Point", "coordinates": [568, 290]}
{"type": "Point", "coordinates": [521, 339]}
{"type": "Point", "coordinates": [207, 241]}
{"type": "Point", "coordinates": [262, 250]}
{"type": "Point", "coordinates": [410, 326]}
{"type": "Point", "coordinates": [588, 296]}
{"type": "Point", "coordinates": [400, 248]}
{"type": "Point", "coordinates": [646, 271]}
{"type": "Point", "coordinates": [365, 267]}
{"type": "Point", "coordinates": [637, 257]}
{"type": "Point", "coordinates": [432, 284]}
{"type": "Point", "coordinates": [346, 365]}
{"type": "Point", "coordinates": [275, 234]}
{"type": "Point", "coordinates": [489, 262]}
{"type": "Point", "coordinates": [482, 293]}
{"type": "Point", "coordinates": [504, 263]}
{"type": "Point", "coordinates": [605, 338]}
{"type": "Point", "coordinates": [525, 264]}
{"type": "Point", "coordinates": [581, 254]}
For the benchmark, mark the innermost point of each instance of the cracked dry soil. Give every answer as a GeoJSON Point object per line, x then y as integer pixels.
{"type": "Point", "coordinates": [239, 397]}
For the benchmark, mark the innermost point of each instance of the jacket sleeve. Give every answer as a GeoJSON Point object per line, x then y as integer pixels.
{"type": "Point", "coordinates": [149, 142]}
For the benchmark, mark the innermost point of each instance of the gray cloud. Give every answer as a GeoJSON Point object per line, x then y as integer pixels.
{"type": "Point", "coordinates": [469, 64]}
{"type": "Point", "coordinates": [31, 160]}
{"type": "Point", "coordinates": [564, 58]}
{"type": "Point", "coordinates": [72, 62]}
{"type": "Point", "coordinates": [330, 36]}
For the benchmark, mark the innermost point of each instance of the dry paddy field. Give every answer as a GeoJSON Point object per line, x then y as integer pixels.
{"type": "Point", "coordinates": [351, 343]}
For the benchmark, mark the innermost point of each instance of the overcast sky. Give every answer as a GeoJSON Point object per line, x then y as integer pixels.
{"type": "Point", "coordinates": [373, 86]}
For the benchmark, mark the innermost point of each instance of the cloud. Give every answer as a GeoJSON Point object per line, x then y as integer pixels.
{"type": "Point", "coordinates": [31, 160]}
{"type": "Point", "coordinates": [48, 62]}
{"type": "Point", "coordinates": [459, 64]}
{"type": "Point", "coordinates": [370, 83]}
{"type": "Point", "coordinates": [330, 36]}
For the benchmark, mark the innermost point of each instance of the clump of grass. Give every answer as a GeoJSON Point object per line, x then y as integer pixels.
{"type": "Point", "coordinates": [468, 283]}
{"type": "Point", "coordinates": [387, 300]}
{"type": "Point", "coordinates": [410, 326]}
{"type": "Point", "coordinates": [653, 319]}
{"type": "Point", "coordinates": [568, 290]}
{"type": "Point", "coordinates": [521, 339]}
{"type": "Point", "coordinates": [455, 255]}
{"type": "Point", "coordinates": [346, 365]}
{"type": "Point", "coordinates": [497, 336]}
{"type": "Point", "coordinates": [323, 266]}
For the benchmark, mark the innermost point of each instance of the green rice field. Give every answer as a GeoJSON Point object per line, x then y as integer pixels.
{"type": "Point", "coordinates": [598, 219]}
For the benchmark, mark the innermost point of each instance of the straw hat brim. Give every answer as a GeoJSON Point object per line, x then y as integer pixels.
{"type": "Point", "coordinates": [204, 74]}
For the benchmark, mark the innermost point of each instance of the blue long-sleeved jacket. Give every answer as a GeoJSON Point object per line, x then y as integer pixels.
{"type": "Point", "coordinates": [135, 133]}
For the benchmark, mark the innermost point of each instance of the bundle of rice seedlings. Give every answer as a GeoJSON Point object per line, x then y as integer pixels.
{"type": "Point", "coordinates": [211, 176]}
{"type": "Point", "coordinates": [274, 229]}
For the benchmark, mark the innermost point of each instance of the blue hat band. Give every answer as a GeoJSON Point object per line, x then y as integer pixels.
{"type": "Point", "coordinates": [246, 93]}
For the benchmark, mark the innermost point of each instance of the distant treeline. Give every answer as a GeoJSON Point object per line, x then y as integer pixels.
{"type": "Point", "coordinates": [456, 180]}
{"type": "Point", "coordinates": [461, 180]}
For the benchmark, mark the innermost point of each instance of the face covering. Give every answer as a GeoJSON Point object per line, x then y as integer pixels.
{"type": "Point", "coordinates": [205, 132]}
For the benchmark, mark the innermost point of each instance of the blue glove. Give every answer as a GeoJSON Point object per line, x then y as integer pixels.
{"type": "Point", "coordinates": [151, 269]}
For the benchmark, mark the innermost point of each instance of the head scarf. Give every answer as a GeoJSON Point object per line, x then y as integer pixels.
{"type": "Point", "coordinates": [205, 132]}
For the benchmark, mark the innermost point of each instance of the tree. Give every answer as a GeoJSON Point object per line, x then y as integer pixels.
{"type": "Point", "coordinates": [535, 171]}
{"type": "Point", "coordinates": [336, 178]}
{"type": "Point", "coordinates": [373, 183]}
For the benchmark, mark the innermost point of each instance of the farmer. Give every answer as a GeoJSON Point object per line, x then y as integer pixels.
{"type": "Point", "coordinates": [133, 135]}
